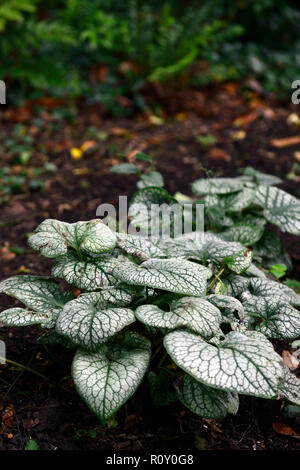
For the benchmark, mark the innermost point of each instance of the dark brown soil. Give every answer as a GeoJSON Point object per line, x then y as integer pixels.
{"type": "Point", "coordinates": [50, 411]}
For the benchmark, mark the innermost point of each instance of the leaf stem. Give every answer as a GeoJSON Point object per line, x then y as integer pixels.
{"type": "Point", "coordinates": [217, 277]}
{"type": "Point", "coordinates": [21, 366]}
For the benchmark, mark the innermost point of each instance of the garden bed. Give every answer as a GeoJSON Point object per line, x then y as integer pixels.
{"type": "Point", "coordinates": [50, 412]}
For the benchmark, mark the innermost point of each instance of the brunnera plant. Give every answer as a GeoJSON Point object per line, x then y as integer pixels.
{"type": "Point", "coordinates": [196, 314]}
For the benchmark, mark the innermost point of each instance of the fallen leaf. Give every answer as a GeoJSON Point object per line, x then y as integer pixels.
{"type": "Point", "coordinates": [76, 153]}
{"type": "Point", "coordinates": [289, 360]}
{"type": "Point", "coordinates": [88, 145]}
{"type": "Point", "coordinates": [23, 269]}
{"type": "Point", "coordinates": [286, 142]}
{"type": "Point", "coordinates": [63, 207]}
{"type": "Point", "coordinates": [8, 416]}
{"type": "Point", "coordinates": [239, 135]}
{"type": "Point", "coordinates": [219, 154]}
{"type": "Point", "coordinates": [297, 156]}
{"type": "Point", "coordinates": [181, 116]}
{"type": "Point", "coordinates": [156, 120]}
{"type": "Point", "coordinates": [245, 119]}
{"type": "Point", "coordinates": [283, 429]}
{"type": "Point", "coordinates": [120, 132]}
{"type": "Point", "coordinates": [293, 120]}
{"type": "Point", "coordinates": [81, 171]}
{"type": "Point", "coordinates": [5, 253]}
{"type": "Point", "coordinates": [76, 292]}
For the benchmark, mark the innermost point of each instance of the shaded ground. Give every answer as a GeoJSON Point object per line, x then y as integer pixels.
{"type": "Point", "coordinates": [244, 125]}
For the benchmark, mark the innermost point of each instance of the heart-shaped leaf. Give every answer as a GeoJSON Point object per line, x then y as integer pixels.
{"type": "Point", "coordinates": [206, 401]}
{"type": "Point", "coordinates": [84, 321]}
{"type": "Point", "coordinates": [38, 293]}
{"type": "Point", "coordinates": [244, 363]}
{"type": "Point", "coordinates": [261, 178]}
{"type": "Point", "coordinates": [274, 317]}
{"type": "Point", "coordinates": [138, 246]}
{"type": "Point", "coordinates": [153, 178]}
{"type": "Point", "coordinates": [88, 274]}
{"type": "Point", "coordinates": [194, 313]}
{"type": "Point", "coordinates": [239, 262]}
{"type": "Point", "coordinates": [53, 237]}
{"type": "Point", "coordinates": [280, 208]}
{"type": "Point", "coordinates": [107, 378]}
{"type": "Point", "coordinates": [236, 202]}
{"type": "Point", "coordinates": [244, 234]}
{"type": "Point", "coordinates": [202, 246]}
{"type": "Point", "coordinates": [217, 186]}
{"type": "Point", "coordinates": [179, 276]}
{"type": "Point", "coordinates": [267, 288]}
{"type": "Point", "coordinates": [146, 212]}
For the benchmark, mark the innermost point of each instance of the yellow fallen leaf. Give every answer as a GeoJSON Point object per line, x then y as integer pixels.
{"type": "Point", "coordinates": [293, 120]}
{"type": "Point", "coordinates": [239, 135]}
{"type": "Point", "coordinates": [23, 269]}
{"type": "Point", "coordinates": [158, 121]}
{"type": "Point", "coordinates": [76, 153]}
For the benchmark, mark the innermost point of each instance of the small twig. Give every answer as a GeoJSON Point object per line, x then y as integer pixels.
{"type": "Point", "coordinates": [217, 277]}
{"type": "Point", "coordinates": [21, 366]}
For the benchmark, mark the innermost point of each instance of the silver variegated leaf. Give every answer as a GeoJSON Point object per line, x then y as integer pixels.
{"type": "Point", "coordinates": [280, 208]}
{"type": "Point", "coordinates": [53, 237]}
{"type": "Point", "coordinates": [153, 178]}
{"type": "Point", "coordinates": [141, 247]}
{"type": "Point", "coordinates": [266, 288]}
{"type": "Point", "coordinates": [237, 285]}
{"type": "Point", "coordinates": [217, 186]}
{"type": "Point", "coordinates": [235, 202]}
{"type": "Point", "coordinates": [202, 246]}
{"type": "Point", "coordinates": [89, 274]}
{"type": "Point", "coordinates": [254, 271]}
{"type": "Point", "coordinates": [87, 324]}
{"type": "Point", "coordinates": [289, 387]}
{"type": "Point", "coordinates": [277, 318]}
{"type": "Point", "coordinates": [38, 293]}
{"type": "Point", "coordinates": [206, 401]}
{"type": "Point", "coordinates": [145, 210]}
{"type": "Point", "coordinates": [242, 233]}
{"type": "Point", "coordinates": [261, 178]}
{"type": "Point", "coordinates": [21, 317]}
{"type": "Point", "coordinates": [107, 378]}
{"type": "Point", "coordinates": [239, 262]}
{"type": "Point", "coordinates": [197, 314]}
{"type": "Point", "coordinates": [179, 276]}
{"type": "Point", "coordinates": [117, 296]}
{"type": "Point", "coordinates": [243, 363]}
{"type": "Point", "coordinates": [228, 303]}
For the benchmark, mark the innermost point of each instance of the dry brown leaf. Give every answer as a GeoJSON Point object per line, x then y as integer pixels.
{"type": "Point", "coordinates": [286, 142]}
{"type": "Point", "coordinates": [120, 132]}
{"type": "Point", "coordinates": [283, 429]}
{"type": "Point", "coordinates": [88, 145]}
{"type": "Point", "coordinates": [219, 154]}
{"type": "Point", "coordinates": [297, 156]}
{"type": "Point", "coordinates": [5, 253]}
{"type": "Point", "coordinates": [289, 360]}
{"type": "Point", "coordinates": [8, 416]}
{"type": "Point", "coordinates": [245, 119]}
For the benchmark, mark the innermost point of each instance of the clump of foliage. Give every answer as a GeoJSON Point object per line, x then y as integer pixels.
{"type": "Point", "coordinates": [58, 47]}
{"type": "Point", "coordinates": [195, 313]}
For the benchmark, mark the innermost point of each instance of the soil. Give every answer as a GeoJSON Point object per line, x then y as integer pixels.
{"type": "Point", "coordinates": [50, 411]}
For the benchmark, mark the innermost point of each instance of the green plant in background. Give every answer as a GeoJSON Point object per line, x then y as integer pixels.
{"type": "Point", "coordinates": [194, 313]}
{"type": "Point", "coordinates": [140, 42]}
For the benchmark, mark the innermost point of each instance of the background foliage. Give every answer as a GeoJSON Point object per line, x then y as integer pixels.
{"type": "Point", "coordinates": [104, 49]}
